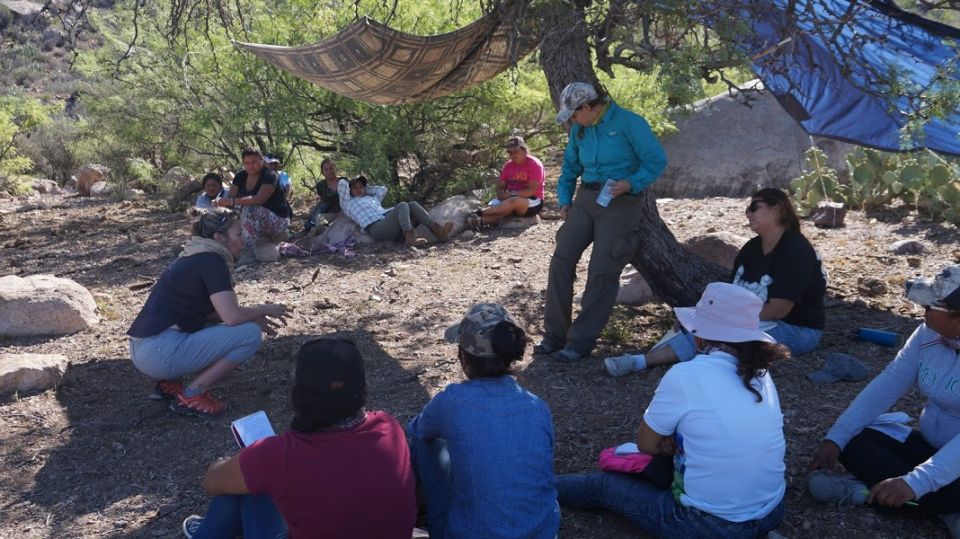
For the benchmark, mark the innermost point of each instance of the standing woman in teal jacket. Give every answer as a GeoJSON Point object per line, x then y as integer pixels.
{"type": "Point", "coordinates": [606, 142]}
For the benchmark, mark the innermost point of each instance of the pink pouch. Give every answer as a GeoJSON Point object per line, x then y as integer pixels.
{"type": "Point", "coordinates": [632, 463]}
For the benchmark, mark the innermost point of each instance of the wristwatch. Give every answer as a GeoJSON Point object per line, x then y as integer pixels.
{"type": "Point", "coordinates": [513, 193]}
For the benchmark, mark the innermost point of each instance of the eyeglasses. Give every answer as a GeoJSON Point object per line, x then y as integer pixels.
{"type": "Point", "coordinates": [755, 205]}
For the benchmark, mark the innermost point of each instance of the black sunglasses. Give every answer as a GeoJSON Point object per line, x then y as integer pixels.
{"type": "Point", "coordinates": [755, 204]}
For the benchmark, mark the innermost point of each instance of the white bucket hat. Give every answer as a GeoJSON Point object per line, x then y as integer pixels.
{"type": "Point", "coordinates": [725, 313]}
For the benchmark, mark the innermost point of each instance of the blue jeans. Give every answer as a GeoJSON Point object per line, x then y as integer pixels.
{"type": "Point", "coordinates": [798, 339]}
{"type": "Point", "coordinates": [431, 461]}
{"type": "Point", "coordinates": [172, 354]}
{"type": "Point", "coordinates": [235, 515]}
{"type": "Point", "coordinates": [655, 511]}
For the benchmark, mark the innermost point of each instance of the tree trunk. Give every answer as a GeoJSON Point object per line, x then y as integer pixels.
{"type": "Point", "coordinates": [675, 275]}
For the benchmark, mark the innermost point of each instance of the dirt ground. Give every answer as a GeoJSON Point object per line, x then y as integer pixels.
{"type": "Point", "coordinates": [96, 458]}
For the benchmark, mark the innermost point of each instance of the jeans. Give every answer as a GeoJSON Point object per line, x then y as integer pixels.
{"type": "Point", "coordinates": [872, 456]}
{"type": "Point", "coordinates": [247, 515]}
{"type": "Point", "coordinates": [655, 511]}
{"type": "Point", "coordinates": [172, 354]}
{"type": "Point", "coordinates": [614, 232]}
{"type": "Point", "coordinates": [431, 460]}
{"type": "Point", "coordinates": [798, 339]}
{"type": "Point", "coordinates": [403, 217]}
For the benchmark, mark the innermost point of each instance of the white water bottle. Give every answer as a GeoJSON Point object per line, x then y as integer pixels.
{"type": "Point", "coordinates": [606, 194]}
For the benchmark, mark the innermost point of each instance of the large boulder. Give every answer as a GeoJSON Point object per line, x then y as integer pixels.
{"type": "Point", "coordinates": [46, 187]}
{"type": "Point", "coordinates": [88, 175]}
{"type": "Point", "coordinates": [177, 177]}
{"type": "Point", "coordinates": [633, 288]}
{"type": "Point", "coordinates": [452, 210]}
{"type": "Point", "coordinates": [101, 189]}
{"type": "Point", "coordinates": [29, 373]}
{"type": "Point", "coordinates": [44, 305]}
{"type": "Point", "coordinates": [721, 248]}
{"type": "Point", "coordinates": [724, 148]}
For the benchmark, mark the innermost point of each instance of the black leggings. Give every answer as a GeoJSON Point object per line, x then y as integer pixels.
{"type": "Point", "coordinates": [873, 456]}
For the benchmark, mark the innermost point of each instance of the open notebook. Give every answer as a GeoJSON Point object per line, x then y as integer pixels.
{"type": "Point", "coordinates": [249, 429]}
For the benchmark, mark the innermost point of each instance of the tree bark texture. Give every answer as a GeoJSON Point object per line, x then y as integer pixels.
{"type": "Point", "coordinates": [676, 275]}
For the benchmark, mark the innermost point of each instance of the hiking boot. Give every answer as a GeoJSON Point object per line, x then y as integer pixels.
{"type": "Point", "coordinates": [441, 232]}
{"type": "Point", "coordinates": [203, 404]}
{"type": "Point", "coordinates": [191, 525]}
{"type": "Point", "coordinates": [412, 240]}
{"type": "Point", "coordinates": [545, 348]}
{"type": "Point", "coordinates": [165, 390]}
{"type": "Point", "coordinates": [620, 365]}
{"type": "Point", "coordinates": [952, 520]}
{"type": "Point", "coordinates": [834, 488]}
{"type": "Point", "coordinates": [568, 355]}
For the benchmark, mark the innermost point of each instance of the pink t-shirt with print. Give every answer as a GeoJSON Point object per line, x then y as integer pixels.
{"type": "Point", "coordinates": [518, 177]}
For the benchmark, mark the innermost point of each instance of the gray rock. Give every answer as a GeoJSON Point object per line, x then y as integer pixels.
{"type": "Point", "coordinates": [47, 187]}
{"type": "Point", "coordinates": [718, 247]}
{"type": "Point", "coordinates": [452, 210]}
{"type": "Point", "coordinates": [829, 215]}
{"type": "Point", "coordinates": [633, 288]}
{"type": "Point", "coordinates": [468, 235]}
{"type": "Point", "coordinates": [101, 189]}
{"type": "Point", "coordinates": [44, 305]}
{"type": "Point", "coordinates": [29, 373]}
{"type": "Point", "coordinates": [22, 7]}
{"type": "Point", "coordinates": [908, 247]}
{"type": "Point", "coordinates": [178, 176]}
{"type": "Point", "coordinates": [723, 148]}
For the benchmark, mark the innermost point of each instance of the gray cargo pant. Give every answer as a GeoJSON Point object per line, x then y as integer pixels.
{"type": "Point", "coordinates": [615, 234]}
{"type": "Point", "coordinates": [404, 216]}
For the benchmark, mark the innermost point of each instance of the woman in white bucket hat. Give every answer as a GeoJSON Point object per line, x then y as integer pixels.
{"type": "Point", "coordinates": [716, 421]}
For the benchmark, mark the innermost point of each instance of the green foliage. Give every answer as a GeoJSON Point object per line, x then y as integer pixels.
{"type": "Point", "coordinates": [18, 115]}
{"type": "Point", "coordinates": [923, 180]}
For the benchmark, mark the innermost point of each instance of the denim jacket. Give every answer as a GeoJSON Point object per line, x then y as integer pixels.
{"type": "Point", "coordinates": [500, 440]}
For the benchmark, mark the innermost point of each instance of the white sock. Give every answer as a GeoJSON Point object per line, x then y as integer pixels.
{"type": "Point", "coordinates": [639, 362]}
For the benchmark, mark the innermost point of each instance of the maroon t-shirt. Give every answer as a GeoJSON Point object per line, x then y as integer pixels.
{"type": "Point", "coordinates": [347, 483]}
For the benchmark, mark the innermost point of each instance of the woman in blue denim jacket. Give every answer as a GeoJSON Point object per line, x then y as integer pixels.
{"type": "Point", "coordinates": [483, 449]}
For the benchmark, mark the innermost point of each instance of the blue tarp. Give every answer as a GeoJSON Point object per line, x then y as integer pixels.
{"type": "Point", "coordinates": [827, 62]}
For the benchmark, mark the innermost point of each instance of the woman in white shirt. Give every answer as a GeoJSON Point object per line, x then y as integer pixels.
{"type": "Point", "coordinates": [718, 416]}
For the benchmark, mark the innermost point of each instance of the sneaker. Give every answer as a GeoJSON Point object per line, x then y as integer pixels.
{"type": "Point", "coordinates": [203, 404]}
{"type": "Point", "coordinates": [620, 365]}
{"type": "Point", "coordinates": [834, 488]}
{"type": "Point", "coordinates": [191, 525]}
{"type": "Point", "coordinates": [952, 520]}
{"type": "Point", "coordinates": [165, 390]}
{"type": "Point", "coordinates": [567, 355]}
{"type": "Point", "coordinates": [545, 348]}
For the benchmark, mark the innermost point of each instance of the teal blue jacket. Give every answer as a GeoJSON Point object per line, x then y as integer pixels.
{"type": "Point", "coordinates": [620, 147]}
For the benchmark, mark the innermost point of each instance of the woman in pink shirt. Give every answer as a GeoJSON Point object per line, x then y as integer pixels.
{"type": "Point", "coordinates": [520, 191]}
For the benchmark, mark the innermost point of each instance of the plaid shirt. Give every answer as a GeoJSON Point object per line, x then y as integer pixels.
{"type": "Point", "coordinates": [364, 210]}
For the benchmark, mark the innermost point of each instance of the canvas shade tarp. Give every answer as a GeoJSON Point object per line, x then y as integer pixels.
{"type": "Point", "coordinates": [845, 96]}
{"type": "Point", "coordinates": [374, 63]}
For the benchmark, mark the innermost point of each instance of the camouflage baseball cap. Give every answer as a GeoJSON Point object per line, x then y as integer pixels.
{"type": "Point", "coordinates": [942, 291]}
{"type": "Point", "coordinates": [575, 95]}
{"type": "Point", "coordinates": [475, 332]}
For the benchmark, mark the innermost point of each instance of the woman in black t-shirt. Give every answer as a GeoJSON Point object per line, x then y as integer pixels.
{"type": "Point", "coordinates": [781, 267]}
{"type": "Point", "coordinates": [171, 338]}
{"type": "Point", "coordinates": [264, 212]}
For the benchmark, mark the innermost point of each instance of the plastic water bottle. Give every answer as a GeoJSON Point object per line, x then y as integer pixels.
{"type": "Point", "coordinates": [605, 195]}
{"type": "Point", "coordinates": [883, 338]}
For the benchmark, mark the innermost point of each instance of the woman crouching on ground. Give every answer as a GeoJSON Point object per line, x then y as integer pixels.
{"type": "Point", "coordinates": [719, 416]}
{"type": "Point", "coordinates": [171, 338]}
